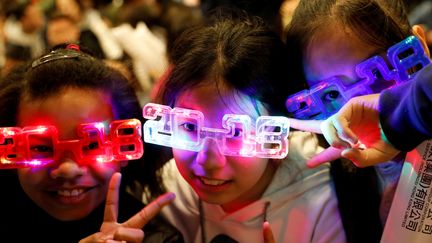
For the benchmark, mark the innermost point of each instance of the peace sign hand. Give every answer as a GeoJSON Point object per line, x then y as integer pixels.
{"type": "Point", "coordinates": [131, 230]}
{"type": "Point", "coordinates": [354, 132]}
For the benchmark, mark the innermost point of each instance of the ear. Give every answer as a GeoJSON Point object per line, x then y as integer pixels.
{"type": "Point", "coordinates": [419, 32]}
{"type": "Point", "coordinates": [124, 163]}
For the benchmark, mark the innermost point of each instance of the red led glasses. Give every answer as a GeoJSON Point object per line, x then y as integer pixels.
{"type": "Point", "coordinates": [37, 146]}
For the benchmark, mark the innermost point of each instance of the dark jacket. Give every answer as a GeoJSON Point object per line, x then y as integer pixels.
{"type": "Point", "coordinates": [406, 111]}
{"type": "Point", "coordinates": [21, 220]}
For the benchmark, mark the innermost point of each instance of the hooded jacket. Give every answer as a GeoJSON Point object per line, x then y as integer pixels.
{"type": "Point", "coordinates": [300, 204]}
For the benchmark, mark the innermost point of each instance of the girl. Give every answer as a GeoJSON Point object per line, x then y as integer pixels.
{"type": "Point", "coordinates": [63, 199]}
{"type": "Point", "coordinates": [238, 66]}
{"type": "Point", "coordinates": [330, 38]}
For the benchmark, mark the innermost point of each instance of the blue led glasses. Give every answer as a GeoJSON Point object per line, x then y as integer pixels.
{"type": "Point", "coordinates": [328, 96]}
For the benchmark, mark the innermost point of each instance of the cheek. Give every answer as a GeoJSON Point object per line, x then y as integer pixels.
{"type": "Point", "coordinates": [249, 166]}
{"type": "Point", "coordinates": [104, 171]}
{"type": "Point", "coordinates": [31, 177]}
{"type": "Point", "coordinates": [32, 180]}
{"type": "Point", "coordinates": [184, 160]}
{"type": "Point", "coordinates": [248, 163]}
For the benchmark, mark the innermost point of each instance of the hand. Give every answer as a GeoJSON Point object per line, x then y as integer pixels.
{"type": "Point", "coordinates": [268, 233]}
{"type": "Point", "coordinates": [131, 230]}
{"type": "Point", "coordinates": [353, 133]}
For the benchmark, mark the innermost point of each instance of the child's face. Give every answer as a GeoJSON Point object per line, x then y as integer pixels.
{"type": "Point", "coordinates": [232, 182]}
{"type": "Point", "coordinates": [335, 53]}
{"type": "Point", "coordinates": [65, 189]}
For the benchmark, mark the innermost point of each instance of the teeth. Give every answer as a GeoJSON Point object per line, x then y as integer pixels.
{"type": "Point", "coordinates": [70, 193]}
{"type": "Point", "coordinates": [212, 182]}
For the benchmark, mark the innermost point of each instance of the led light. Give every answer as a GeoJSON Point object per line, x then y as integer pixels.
{"type": "Point", "coordinates": [328, 96]}
{"type": "Point", "coordinates": [183, 129]}
{"type": "Point", "coordinates": [38, 146]}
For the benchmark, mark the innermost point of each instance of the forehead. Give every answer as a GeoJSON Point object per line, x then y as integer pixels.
{"type": "Point", "coordinates": [214, 102]}
{"type": "Point", "coordinates": [334, 52]}
{"type": "Point", "coordinates": [69, 107]}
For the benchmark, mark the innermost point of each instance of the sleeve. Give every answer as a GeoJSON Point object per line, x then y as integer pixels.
{"type": "Point", "coordinates": [406, 111]}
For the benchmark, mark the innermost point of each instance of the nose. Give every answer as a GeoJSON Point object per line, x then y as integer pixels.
{"type": "Point", "coordinates": [210, 157]}
{"type": "Point", "coordinates": [67, 168]}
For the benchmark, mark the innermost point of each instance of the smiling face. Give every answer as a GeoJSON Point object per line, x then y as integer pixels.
{"type": "Point", "coordinates": [66, 189]}
{"type": "Point", "coordinates": [231, 182]}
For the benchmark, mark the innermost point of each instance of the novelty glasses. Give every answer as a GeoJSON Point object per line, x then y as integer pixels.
{"type": "Point", "coordinates": [38, 146]}
{"type": "Point", "coordinates": [184, 129]}
{"type": "Point", "coordinates": [328, 96]}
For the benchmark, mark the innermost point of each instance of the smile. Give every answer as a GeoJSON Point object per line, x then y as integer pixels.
{"type": "Point", "coordinates": [70, 193]}
{"type": "Point", "coordinates": [212, 182]}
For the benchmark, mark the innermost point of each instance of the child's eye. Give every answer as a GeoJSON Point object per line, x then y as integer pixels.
{"type": "Point", "coordinates": [189, 127]}
{"type": "Point", "coordinates": [41, 149]}
{"type": "Point", "coordinates": [91, 146]}
{"type": "Point", "coordinates": [238, 132]}
{"type": "Point", "coordinates": [331, 95]}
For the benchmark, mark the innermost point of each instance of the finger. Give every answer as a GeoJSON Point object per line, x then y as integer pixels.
{"type": "Point", "coordinates": [330, 133]}
{"type": "Point", "coordinates": [329, 154]}
{"type": "Point", "coordinates": [129, 235]}
{"type": "Point", "coordinates": [268, 233]}
{"type": "Point", "coordinates": [146, 214]}
{"type": "Point", "coordinates": [96, 237]}
{"type": "Point", "coordinates": [111, 204]}
{"type": "Point", "coordinates": [306, 125]}
{"type": "Point", "coordinates": [369, 156]}
{"type": "Point", "coordinates": [341, 125]}
{"type": "Point", "coordinates": [92, 238]}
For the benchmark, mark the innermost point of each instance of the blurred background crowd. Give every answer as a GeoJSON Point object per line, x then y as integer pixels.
{"type": "Point", "coordinates": [133, 35]}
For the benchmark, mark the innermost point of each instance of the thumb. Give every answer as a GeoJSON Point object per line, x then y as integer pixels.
{"type": "Point", "coordinates": [369, 156]}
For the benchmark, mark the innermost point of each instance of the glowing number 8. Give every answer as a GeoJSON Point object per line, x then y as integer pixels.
{"type": "Point", "coordinates": [126, 139]}
{"type": "Point", "coordinates": [272, 137]}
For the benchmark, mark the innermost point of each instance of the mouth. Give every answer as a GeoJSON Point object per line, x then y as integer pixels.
{"type": "Point", "coordinates": [212, 182]}
{"type": "Point", "coordinates": [70, 195]}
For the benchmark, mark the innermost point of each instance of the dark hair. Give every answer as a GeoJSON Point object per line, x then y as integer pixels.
{"type": "Point", "coordinates": [268, 10]}
{"type": "Point", "coordinates": [66, 68]}
{"type": "Point", "coordinates": [240, 52]}
{"type": "Point", "coordinates": [380, 23]}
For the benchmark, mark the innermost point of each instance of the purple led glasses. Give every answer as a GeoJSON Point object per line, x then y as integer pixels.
{"type": "Point", "coordinates": [328, 96]}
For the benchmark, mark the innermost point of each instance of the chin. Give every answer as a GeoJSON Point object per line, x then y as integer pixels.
{"type": "Point", "coordinates": [69, 215]}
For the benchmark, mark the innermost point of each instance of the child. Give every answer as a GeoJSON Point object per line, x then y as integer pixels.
{"type": "Point", "coordinates": [333, 38]}
{"type": "Point", "coordinates": [386, 112]}
{"type": "Point", "coordinates": [238, 66]}
{"type": "Point", "coordinates": [62, 200]}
